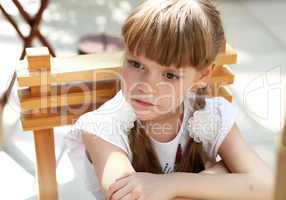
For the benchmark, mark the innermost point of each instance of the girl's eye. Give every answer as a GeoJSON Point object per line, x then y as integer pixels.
{"type": "Point", "coordinates": [171, 76]}
{"type": "Point", "coordinates": [135, 64]}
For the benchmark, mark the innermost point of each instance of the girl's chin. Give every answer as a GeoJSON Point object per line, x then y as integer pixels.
{"type": "Point", "coordinates": [144, 117]}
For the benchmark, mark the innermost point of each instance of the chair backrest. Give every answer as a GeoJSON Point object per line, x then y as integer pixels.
{"type": "Point", "coordinates": [56, 91]}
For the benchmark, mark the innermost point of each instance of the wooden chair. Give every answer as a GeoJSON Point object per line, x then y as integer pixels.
{"type": "Point", "coordinates": [280, 183]}
{"type": "Point", "coordinates": [56, 91]}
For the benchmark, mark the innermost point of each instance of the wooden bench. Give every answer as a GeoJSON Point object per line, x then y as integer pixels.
{"type": "Point", "coordinates": [56, 91]}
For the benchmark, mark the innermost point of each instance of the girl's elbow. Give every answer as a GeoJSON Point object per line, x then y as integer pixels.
{"type": "Point", "coordinates": [264, 176]}
{"type": "Point", "coordinates": [268, 179]}
{"type": "Point", "coordinates": [270, 185]}
{"type": "Point", "coordinates": [266, 182]}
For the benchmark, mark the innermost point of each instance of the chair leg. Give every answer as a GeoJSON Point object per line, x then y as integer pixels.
{"type": "Point", "coordinates": [46, 164]}
{"type": "Point", "coordinates": [1, 127]}
{"type": "Point", "coordinates": [280, 183]}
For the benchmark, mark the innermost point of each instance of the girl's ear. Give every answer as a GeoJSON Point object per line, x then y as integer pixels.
{"type": "Point", "coordinates": [204, 77]}
{"type": "Point", "coordinates": [206, 74]}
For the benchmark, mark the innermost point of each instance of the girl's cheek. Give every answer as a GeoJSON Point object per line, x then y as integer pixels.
{"type": "Point", "coordinates": [126, 72]}
{"type": "Point", "coordinates": [129, 77]}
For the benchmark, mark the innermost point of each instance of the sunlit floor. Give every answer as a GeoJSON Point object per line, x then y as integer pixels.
{"type": "Point", "coordinates": [256, 29]}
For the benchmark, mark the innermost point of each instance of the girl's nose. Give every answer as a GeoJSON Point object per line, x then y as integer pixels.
{"type": "Point", "coordinates": [150, 85]}
{"type": "Point", "coordinates": [146, 89]}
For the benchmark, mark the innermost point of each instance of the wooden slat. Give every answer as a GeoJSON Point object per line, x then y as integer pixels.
{"type": "Point", "coordinates": [224, 92]}
{"type": "Point", "coordinates": [83, 97]}
{"type": "Point", "coordinates": [76, 87]}
{"type": "Point", "coordinates": [228, 57]}
{"type": "Point", "coordinates": [88, 67]}
{"type": "Point", "coordinates": [222, 75]}
{"type": "Point", "coordinates": [69, 77]}
{"type": "Point", "coordinates": [63, 116]}
{"type": "Point", "coordinates": [38, 58]}
{"type": "Point", "coordinates": [220, 91]}
{"type": "Point", "coordinates": [66, 100]}
{"type": "Point", "coordinates": [49, 122]}
{"type": "Point", "coordinates": [74, 68]}
{"type": "Point", "coordinates": [53, 118]}
{"type": "Point", "coordinates": [69, 95]}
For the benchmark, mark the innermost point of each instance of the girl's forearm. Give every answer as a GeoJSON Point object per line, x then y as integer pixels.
{"type": "Point", "coordinates": [220, 186]}
{"type": "Point", "coordinates": [217, 168]}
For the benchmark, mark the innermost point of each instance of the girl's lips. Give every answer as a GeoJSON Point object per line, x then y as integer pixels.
{"type": "Point", "coordinates": [143, 103]}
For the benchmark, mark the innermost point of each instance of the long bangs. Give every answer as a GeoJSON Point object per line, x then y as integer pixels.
{"type": "Point", "coordinates": [170, 33]}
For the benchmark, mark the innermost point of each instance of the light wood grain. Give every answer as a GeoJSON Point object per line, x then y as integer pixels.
{"type": "Point", "coordinates": [94, 66]}
{"type": "Point", "coordinates": [60, 117]}
{"type": "Point", "coordinates": [220, 91]}
{"type": "Point", "coordinates": [39, 59]}
{"type": "Point", "coordinates": [46, 164]}
{"type": "Point", "coordinates": [283, 137]}
{"type": "Point", "coordinates": [280, 192]}
{"type": "Point", "coordinates": [222, 75]}
{"type": "Point", "coordinates": [1, 127]}
{"type": "Point", "coordinates": [280, 183]}
{"type": "Point", "coordinates": [83, 97]}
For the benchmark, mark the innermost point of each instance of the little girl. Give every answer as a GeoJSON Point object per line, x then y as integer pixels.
{"type": "Point", "coordinates": [160, 137]}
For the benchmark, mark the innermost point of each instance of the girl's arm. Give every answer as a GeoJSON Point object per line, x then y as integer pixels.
{"type": "Point", "coordinates": [217, 168]}
{"type": "Point", "coordinates": [111, 162]}
{"type": "Point", "coordinates": [250, 177]}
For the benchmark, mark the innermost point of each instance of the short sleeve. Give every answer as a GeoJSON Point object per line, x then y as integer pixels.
{"type": "Point", "coordinates": [110, 122]}
{"type": "Point", "coordinates": [211, 125]}
{"type": "Point", "coordinates": [105, 127]}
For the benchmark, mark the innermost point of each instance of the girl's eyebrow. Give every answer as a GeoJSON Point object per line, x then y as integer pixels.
{"type": "Point", "coordinates": [175, 69]}
{"type": "Point", "coordinates": [164, 68]}
{"type": "Point", "coordinates": [129, 54]}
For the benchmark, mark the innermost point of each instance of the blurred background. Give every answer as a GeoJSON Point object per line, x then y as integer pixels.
{"type": "Point", "coordinates": [256, 29]}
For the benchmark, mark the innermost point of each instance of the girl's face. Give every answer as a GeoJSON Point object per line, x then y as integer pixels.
{"type": "Point", "coordinates": [154, 91]}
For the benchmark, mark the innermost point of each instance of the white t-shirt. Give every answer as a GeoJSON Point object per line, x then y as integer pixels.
{"type": "Point", "coordinates": [113, 120]}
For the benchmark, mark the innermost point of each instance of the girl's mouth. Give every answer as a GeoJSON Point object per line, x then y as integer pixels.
{"type": "Point", "coordinates": [143, 103]}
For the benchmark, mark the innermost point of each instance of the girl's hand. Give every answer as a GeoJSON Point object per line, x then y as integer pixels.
{"type": "Point", "coordinates": [141, 186]}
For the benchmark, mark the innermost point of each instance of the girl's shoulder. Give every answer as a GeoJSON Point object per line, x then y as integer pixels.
{"type": "Point", "coordinates": [211, 124]}
{"type": "Point", "coordinates": [110, 122]}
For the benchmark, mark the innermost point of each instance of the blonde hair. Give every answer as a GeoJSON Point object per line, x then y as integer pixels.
{"type": "Point", "coordinates": [182, 33]}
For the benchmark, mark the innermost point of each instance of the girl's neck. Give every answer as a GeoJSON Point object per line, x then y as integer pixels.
{"type": "Point", "coordinates": [166, 128]}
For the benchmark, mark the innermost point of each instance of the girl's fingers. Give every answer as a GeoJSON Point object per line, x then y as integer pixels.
{"type": "Point", "coordinates": [116, 186]}
{"type": "Point", "coordinates": [124, 176]}
{"type": "Point", "coordinates": [127, 197]}
{"type": "Point", "coordinates": [122, 192]}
